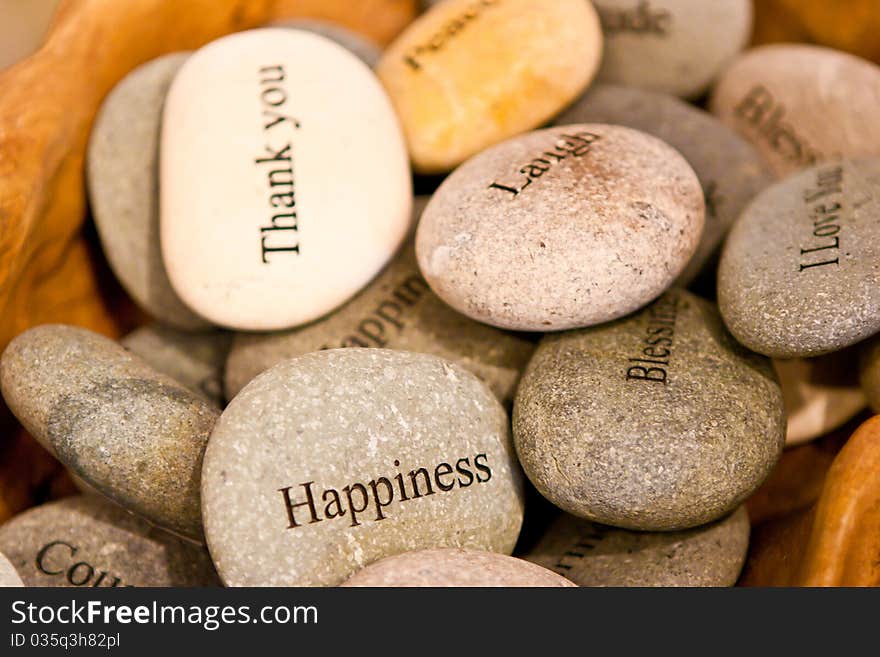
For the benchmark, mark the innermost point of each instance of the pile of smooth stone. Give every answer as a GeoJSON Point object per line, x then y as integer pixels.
{"type": "Point", "coordinates": [350, 383]}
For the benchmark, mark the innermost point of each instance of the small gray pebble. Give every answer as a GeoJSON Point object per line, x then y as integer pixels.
{"type": "Point", "coordinates": [90, 542]}
{"type": "Point", "coordinates": [135, 435]}
{"type": "Point", "coordinates": [800, 271]}
{"type": "Point", "coordinates": [659, 421]}
{"type": "Point", "coordinates": [590, 554]}
{"type": "Point", "coordinates": [195, 360]}
{"type": "Point", "coordinates": [123, 180]}
{"type": "Point", "coordinates": [330, 461]}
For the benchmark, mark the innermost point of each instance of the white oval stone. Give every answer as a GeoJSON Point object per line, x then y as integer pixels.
{"type": "Point", "coordinates": [285, 179]}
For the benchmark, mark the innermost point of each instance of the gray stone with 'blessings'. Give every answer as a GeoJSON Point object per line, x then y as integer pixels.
{"type": "Point", "coordinates": [330, 461]}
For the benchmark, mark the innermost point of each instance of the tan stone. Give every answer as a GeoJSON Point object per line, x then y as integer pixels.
{"type": "Point", "coordinates": [801, 105]}
{"type": "Point", "coordinates": [471, 73]}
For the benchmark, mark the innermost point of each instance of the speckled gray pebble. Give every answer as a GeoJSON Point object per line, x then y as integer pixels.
{"type": "Point", "coordinates": [90, 542]}
{"type": "Point", "coordinates": [731, 171]}
{"type": "Point", "coordinates": [659, 421]}
{"type": "Point", "coordinates": [590, 554]}
{"type": "Point", "coordinates": [330, 461]}
{"type": "Point", "coordinates": [123, 181]}
{"type": "Point", "coordinates": [396, 311]}
{"type": "Point", "coordinates": [366, 50]}
{"type": "Point", "coordinates": [195, 360]}
{"type": "Point", "coordinates": [454, 567]}
{"type": "Point", "coordinates": [8, 576]}
{"type": "Point", "coordinates": [800, 271]}
{"type": "Point", "coordinates": [132, 433]}
{"type": "Point", "coordinates": [561, 228]}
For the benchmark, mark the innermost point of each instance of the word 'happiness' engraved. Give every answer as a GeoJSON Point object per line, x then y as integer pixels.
{"type": "Point", "coordinates": [379, 493]}
{"type": "Point", "coordinates": [449, 30]}
{"type": "Point", "coordinates": [576, 145]}
{"type": "Point", "coordinates": [281, 234]}
{"type": "Point", "coordinates": [641, 19]}
{"type": "Point", "coordinates": [57, 558]}
{"type": "Point", "coordinates": [659, 336]}
{"type": "Point", "coordinates": [825, 216]}
{"type": "Point", "coordinates": [389, 315]}
{"type": "Point", "coordinates": [760, 109]}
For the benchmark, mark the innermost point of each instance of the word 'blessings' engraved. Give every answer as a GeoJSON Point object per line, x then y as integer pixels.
{"type": "Point", "coordinates": [824, 203]}
{"type": "Point", "coordinates": [280, 235]}
{"type": "Point", "coordinates": [377, 494]}
{"type": "Point", "coordinates": [575, 145]}
{"type": "Point", "coordinates": [58, 559]}
{"type": "Point", "coordinates": [451, 28]}
{"type": "Point", "coordinates": [767, 116]}
{"type": "Point", "coordinates": [641, 19]}
{"type": "Point", "coordinates": [658, 341]}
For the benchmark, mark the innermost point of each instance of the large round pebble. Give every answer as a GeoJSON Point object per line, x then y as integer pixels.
{"type": "Point", "coordinates": [800, 271]}
{"type": "Point", "coordinates": [673, 46]}
{"type": "Point", "coordinates": [471, 73]}
{"type": "Point", "coordinates": [659, 421]}
{"type": "Point", "coordinates": [122, 171]}
{"type": "Point", "coordinates": [330, 461]}
{"type": "Point", "coordinates": [132, 433]}
{"type": "Point", "coordinates": [396, 311]}
{"type": "Point", "coordinates": [731, 171]}
{"type": "Point", "coordinates": [8, 576]}
{"type": "Point", "coordinates": [590, 554]}
{"type": "Point", "coordinates": [367, 51]}
{"type": "Point", "coordinates": [451, 567]}
{"type": "Point", "coordinates": [195, 360]}
{"type": "Point", "coordinates": [801, 104]}
{"type": "Point", "coordinates": [90, 542]}
{"type": "Point", "coordinates": [285, 180]}
{"type": "Point", "coordinates": [561, 228]}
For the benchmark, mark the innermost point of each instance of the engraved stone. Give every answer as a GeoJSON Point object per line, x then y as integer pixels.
{"type": "Point", "coordinates": [8, 576]}
{"type": "Point", "coordinates": [90, 542]}
{"type": "Point", "coordinates": [800, 271]}
{"type": "Point", "coordinates": [471, 73]}
{"type": "Point", "coordinates": [673, 46]}
{"type": "Point", "coordinates": [659, 421]}
{"type": "Point", "coordinates": [452, 567]}
{"type": "Point", "coordinates": [801, 104]}
{"type": "Point", "coordinates": [285, 180]}
{"type": "Point", "coordinates": [396, 311]}
{"type": "Point", "coordinates": [135, 435]}
{"type": "Point", "coordinates": [730, 170]}
{"type": "Point", "coordinates": [561, 228]}
{"type": "Point", "coordinates": [122, 171]}
{"type": "Point", "coordinates": [820, 394]}
{"type": "Point", "coordinates": [590, 554]}
{"type": "Point", "coordinates": [367, 51]}
{"type": "Point", "coordinates": [330, 461]}
{"type": "Point", "coordinates": [195, 360]}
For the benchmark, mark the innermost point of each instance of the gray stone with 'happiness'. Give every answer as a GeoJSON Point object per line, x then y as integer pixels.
{"type": "Point", "coordinates": [659, 421]}
{"type": "Point", "coordinates": [135, 435]}
{"type": "Point", "coordinates": [330, 461]}
{"type": "Point", "coordinates": [88, 541]}
{"type": "Point", "coordinates": [590, 554]}
{"type": "Point", "coordinates": [730, 169]}
{"type": "Point", "coordinates": [800, 271]}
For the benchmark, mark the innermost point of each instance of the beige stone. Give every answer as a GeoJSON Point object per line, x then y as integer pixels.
{"type": "Point", "coordinates": [453, 567]}
{"type": "Point", "coordinates": [801, 104]}
{"type": "Point", "coordinates": [468, 74]}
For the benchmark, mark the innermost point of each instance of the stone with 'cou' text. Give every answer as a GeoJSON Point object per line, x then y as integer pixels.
{"type": "Point", "coordinates": [332, 460]}
{"type": "Point", "coordinates": [285, 183]}
{"type": "Point", "coordinates": [800, 271]}
{"type": "Point", "coordinates": [87, 541]}
{"type": "Point", "coordinates": [659, 421]}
